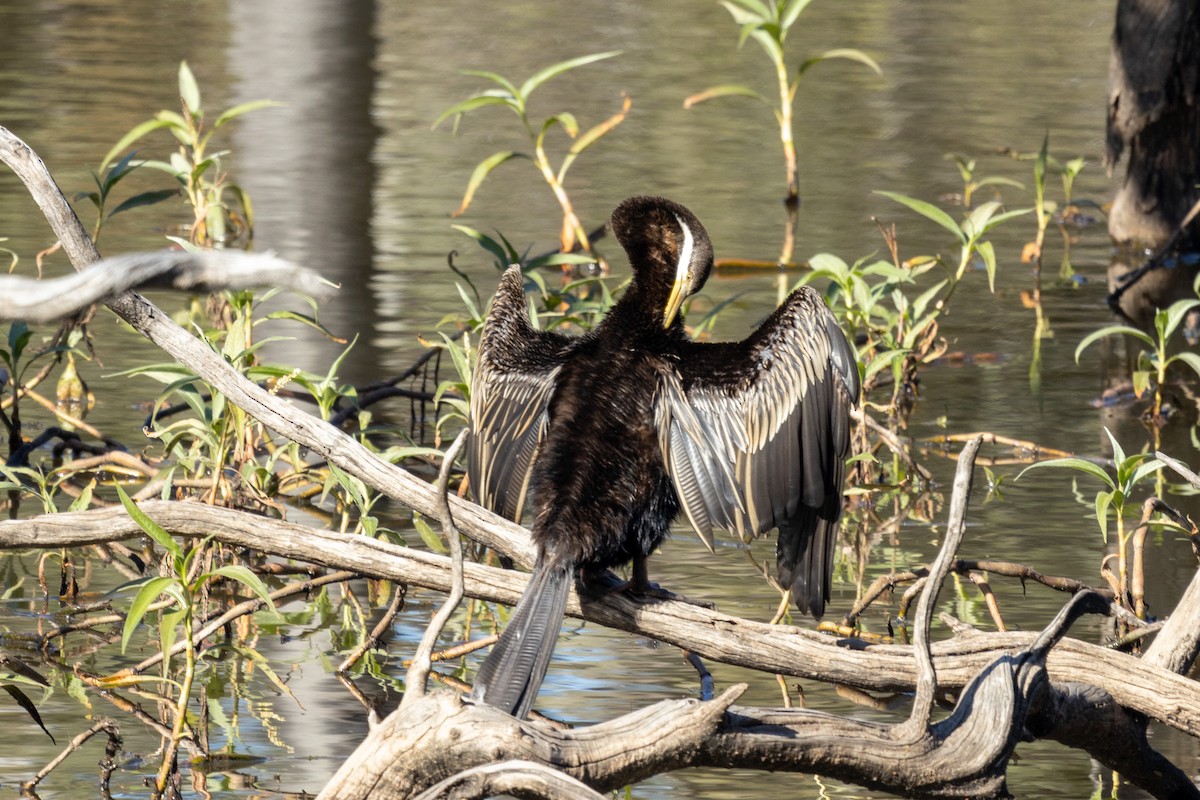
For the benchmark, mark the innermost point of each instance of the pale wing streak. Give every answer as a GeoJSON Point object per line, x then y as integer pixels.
{"type": "Point", "coordinates": [738, 454]}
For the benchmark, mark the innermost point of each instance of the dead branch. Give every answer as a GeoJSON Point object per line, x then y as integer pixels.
{"type": "Point", "coordinates": [521, 779]}
{"type": "Point", "coordinates": [439, 736]}
{"type": "Point", "coordinates": [1156, 692]}
{"type": "Point", "coordinates": [52, 299]}
{"type": "Point", "coordinates": [105, 726]}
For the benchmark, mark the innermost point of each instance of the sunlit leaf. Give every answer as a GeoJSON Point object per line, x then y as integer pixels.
{"type": "Point", "coordinates": [472, 103]}
{"type": "Point", "coordinates": [1141, 381]}
{"type": "Point", "coordinates": [494, 77]}
{"type": "Point", "coordinates": [482, 170]}
{"type": "Point", "coordinates": [725, 90]}
{"type": "Point", "coordinates": [1073, 463]}
{"type": "Point", "coordinates": [431, 539]}
{"type": "Point", "coordinates": [247, 578]}
{"type": "Point", "coordinates": [791, 11]}
{"type": "Point", "coordinates": [543, 75]}
{"type": "Point", "coordinates": [243, 108]}
{"type": "Point", "coordinates": [147, 594]}
{"type": "Point", "coordinates": [1103, 501]}
{"type": "Point", "coordinates": [1112, 330]}
{"type": "Point", "coordinates": [848, 54]}
{"type": "Point", "coordinates": [1191, 359]}
{"type": "Point", "coordinates": [988, 253]}
{"type": "Point", "coordinates": [929, 211]}
{"type": "Point", "coordinates": [132, 136]}
{"type": "Point", "coordinates": [152, 528]}
{"type": "Point", "coordinates": [189, 90]}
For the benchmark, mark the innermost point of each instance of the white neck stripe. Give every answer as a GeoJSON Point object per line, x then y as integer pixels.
{"type": "Point", "coordinates": [685, 252]}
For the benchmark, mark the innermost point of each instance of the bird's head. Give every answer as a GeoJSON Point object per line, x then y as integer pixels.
{"type": "Point", "coordinates": [668, 248]}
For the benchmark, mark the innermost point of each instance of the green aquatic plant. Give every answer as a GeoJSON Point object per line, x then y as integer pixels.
{"type": "Point", "coordinates": [1115, 498]}
{"type": "Point", "coordinates": [768, 23]}
{"type": "Point", "coordinates": [209, 192]}
{"type": "Point", "coordinates": [516, 99]}
{"type": "Point", "coordinates": [183, 586]}
{"type": "Point", "coordinates": [971, 184]}
{"type": "Point", "coordinates": [1154, 362]}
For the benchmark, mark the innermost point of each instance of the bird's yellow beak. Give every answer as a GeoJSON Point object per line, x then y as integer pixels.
{"type": "Point", "coordinates": [675, 300]}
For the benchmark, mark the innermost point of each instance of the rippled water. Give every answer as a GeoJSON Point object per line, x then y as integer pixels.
{"type": "Point", "coordinates": [349, 177]}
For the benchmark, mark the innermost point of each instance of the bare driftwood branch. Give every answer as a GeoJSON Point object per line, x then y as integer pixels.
{"type": "Point", "coordinates": [918, 721]}
{"type": "Point", "coordinates": [440, 736]}
{"type": "Point", "coordinates": [55, 298]}
{"type": "Point", "coordinates": [1159, 694]}
{"type": "Point", "coordinates": [418, 671]}
{"type": "Point", "coordinates": [964, 755]}
{"type": "Point", "coordinates": [521, 779]}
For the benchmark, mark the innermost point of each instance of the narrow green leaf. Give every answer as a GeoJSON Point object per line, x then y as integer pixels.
{"type": "Point", "coordinates": [152, 528]}
{"type": "Point", "coordinates": [566, 119]}
{"type": "Point", "coordinates": [482, 170]}
{"type": "Point", "coordinates": [169, 622]}
{"type": "Point", "coordinates": [244, 576]}
{"type": "Point", "coordinates": [1111, 330]}
{"type": "Point", "coordinates": [1003, 217]}
{"type": "Point", "coordinates": [791, 11]}
{"type": "Point", "coordinates": [725, 90]}
{"type": "Point", "coordinates": [189, 90]}
{"type": "Point", "coordinates": [1147, 467]}
{"type": "Point", "coordinates": [747, 12]}
{"type": "Point", "coordinates": [1118, 452]}
{"type": "Point", "coordinates": [1192, 360]}
{"type": "Point", "coordinates": [137, 132]}
{"type": "Point", "coordinates": [848, 54]}
{"type": "Point", "coordinates": [503, 82]}
{"type": "Point", "coordinates": [486, 242]}
{"type": "Point", "coordinates": [144, 199]}
{"type": "Point", "coordinates": [21, 699]}
{"type": "Point", "coordinates": [431, 539]}
{"type": "Point", "coordinates": [243, 108]}
{"type": "Point", "coordinates": [472, 103]}
{"type": "Point", "coordinates": [146, 595]}
{"type": "Point", "coordinates": [1103, 501]}
{"type": "Point", "coordinates": [929, 211]}
{"type": "Point", "coordinates": [1073, 463]}
{"type": "Point", "coordinates": [988, 253]}
{"type": "Point", "coordinates": [1176, 312]}
{"type": "Point", "coordinates": [543, 75]}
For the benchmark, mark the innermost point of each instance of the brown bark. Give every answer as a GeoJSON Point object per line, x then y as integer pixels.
{"type": "Point", "coordinates": [1154, 119]}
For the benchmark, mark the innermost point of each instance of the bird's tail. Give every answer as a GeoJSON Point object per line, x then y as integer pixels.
{"type": "Point", "coordinates": [512, 674]}
{"type": "Point", "coordinates": [804, 558]}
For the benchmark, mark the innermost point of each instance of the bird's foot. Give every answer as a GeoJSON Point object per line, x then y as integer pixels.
{"type": "Point", "coordinates": [605, 584]}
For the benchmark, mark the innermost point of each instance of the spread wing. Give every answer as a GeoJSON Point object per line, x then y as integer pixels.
{"type": "Point", "coordinates": [755, 435]}
{"type": "Point", "coordinates": [511, 386]}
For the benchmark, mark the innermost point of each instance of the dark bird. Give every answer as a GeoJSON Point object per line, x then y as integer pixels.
{"type": "Point", "coordinates": [609, 435]}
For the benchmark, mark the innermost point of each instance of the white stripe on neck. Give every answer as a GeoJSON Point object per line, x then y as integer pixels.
{"type": "Point", "coordinates": [685, 253]}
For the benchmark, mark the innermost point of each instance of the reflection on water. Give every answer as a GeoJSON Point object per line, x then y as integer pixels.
{"type": "Point", "coordinates": [349, 178]}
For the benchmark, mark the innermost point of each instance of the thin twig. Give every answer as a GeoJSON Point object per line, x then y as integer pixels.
{"type": "Point", "coordinates": [918, 721]}
{"type": "Point", "coordinates": [108, 726]}
{"type": "Point", "coordinates": [418, 673]}
{"type": "Point", "coordinates": [398, 593]}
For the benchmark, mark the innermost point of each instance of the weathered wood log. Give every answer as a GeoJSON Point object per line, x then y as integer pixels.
{"type": "Point", "coordinates": [1158, 693]}
{"type": "Point", "coordinates": [52, 299]}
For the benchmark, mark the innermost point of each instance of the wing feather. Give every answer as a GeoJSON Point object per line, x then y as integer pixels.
{"type": "Point", "coordinates": [755, 435]}
{"type": "Point", "coordinates": [511, 385]}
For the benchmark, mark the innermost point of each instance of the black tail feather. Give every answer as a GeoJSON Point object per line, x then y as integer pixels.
{"type": "Point", "coordinates": [511, 675]}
